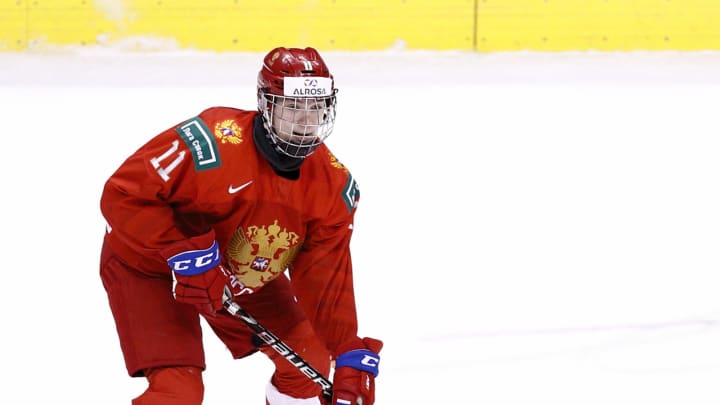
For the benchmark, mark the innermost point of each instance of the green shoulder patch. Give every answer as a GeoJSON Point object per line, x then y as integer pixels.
{"type": "Point", "coordinates": [200, 141]}
{"type": "Point", "coordinates": [351, 193]}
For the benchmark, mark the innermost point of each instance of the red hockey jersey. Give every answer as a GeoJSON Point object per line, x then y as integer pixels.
{"type": "Point", "coordinates": [206, 173]}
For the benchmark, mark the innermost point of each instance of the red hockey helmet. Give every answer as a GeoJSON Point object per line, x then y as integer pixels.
{"type": "Point", "coordinates": [297, 98]}
{"type": "Point", "coordinates": [290, 62]}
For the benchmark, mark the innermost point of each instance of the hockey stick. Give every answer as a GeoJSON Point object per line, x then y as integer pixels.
{"type": "Point", "coordinates": [278, 345]}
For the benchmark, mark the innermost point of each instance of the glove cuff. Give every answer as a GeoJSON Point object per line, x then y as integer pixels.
{"type": "Point", "coordinates": [193, 256]}
{"type": "Point", "coordinates": [362, 359]}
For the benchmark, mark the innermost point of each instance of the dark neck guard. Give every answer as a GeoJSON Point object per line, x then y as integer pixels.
{"type": "Point", "coordinates": [283, 165]}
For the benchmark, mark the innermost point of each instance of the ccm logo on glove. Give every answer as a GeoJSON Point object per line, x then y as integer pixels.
{"type": "Point", "coordinates": [364, 360]}
{"type": "Point", "coordinates": [195, 262]}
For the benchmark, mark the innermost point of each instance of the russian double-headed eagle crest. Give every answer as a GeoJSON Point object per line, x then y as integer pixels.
{"type": "Point", "coordinates": [228, 131]}
{"type": "Point", "coordinates": [258, 254]}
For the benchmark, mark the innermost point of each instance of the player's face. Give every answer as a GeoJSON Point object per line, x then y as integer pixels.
{"type": "Point", "coordinates": [296, 120]}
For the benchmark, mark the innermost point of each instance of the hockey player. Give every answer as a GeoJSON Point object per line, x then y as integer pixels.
{"type": "Point", "coordinates": [234, 198]}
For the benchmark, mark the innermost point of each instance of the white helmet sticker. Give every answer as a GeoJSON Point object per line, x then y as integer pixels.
{"type": "Point", "coordinates": [307, 86]}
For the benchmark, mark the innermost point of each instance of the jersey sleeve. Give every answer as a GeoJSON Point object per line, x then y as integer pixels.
{"type": "Point", "coordinates": [139, 200]}
{"type": "Point", "coordinates": [322, 275]}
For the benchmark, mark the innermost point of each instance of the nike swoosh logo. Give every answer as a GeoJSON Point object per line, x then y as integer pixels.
{"type": "Point", "coordinates": [233, 190]}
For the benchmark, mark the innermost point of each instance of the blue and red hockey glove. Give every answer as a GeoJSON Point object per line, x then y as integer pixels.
{"type": "Point", "coordinates": [356, 367]}
{"type": "Point", "coordinates": [200, 278]}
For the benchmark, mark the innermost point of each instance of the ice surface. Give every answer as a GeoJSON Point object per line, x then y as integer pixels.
{"type": "Point", "coordinates": [534, 228]}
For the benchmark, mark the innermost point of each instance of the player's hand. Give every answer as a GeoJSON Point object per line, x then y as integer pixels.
{"type": "Point", "coordinates": [205, 290]}
{"type": "Point", "coordinates": [199, 276]}
{"type": "Point", "coordinates": [355, 370]}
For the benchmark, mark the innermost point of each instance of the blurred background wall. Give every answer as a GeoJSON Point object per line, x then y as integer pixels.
{"type": "Point", "coordinates": [480, 25]}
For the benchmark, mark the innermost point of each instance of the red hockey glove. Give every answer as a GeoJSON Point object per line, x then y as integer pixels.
{"type": "Point", "coordinates": [200, 278]}
{"type": "Point", "coordinates": [355, 371]}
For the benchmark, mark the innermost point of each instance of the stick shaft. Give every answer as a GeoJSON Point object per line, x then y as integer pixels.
{"type": "Point", "coordinates": [279, 346]}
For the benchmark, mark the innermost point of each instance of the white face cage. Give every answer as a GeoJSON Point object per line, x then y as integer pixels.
{"type": "Point", "coordinates": [297, 125]}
